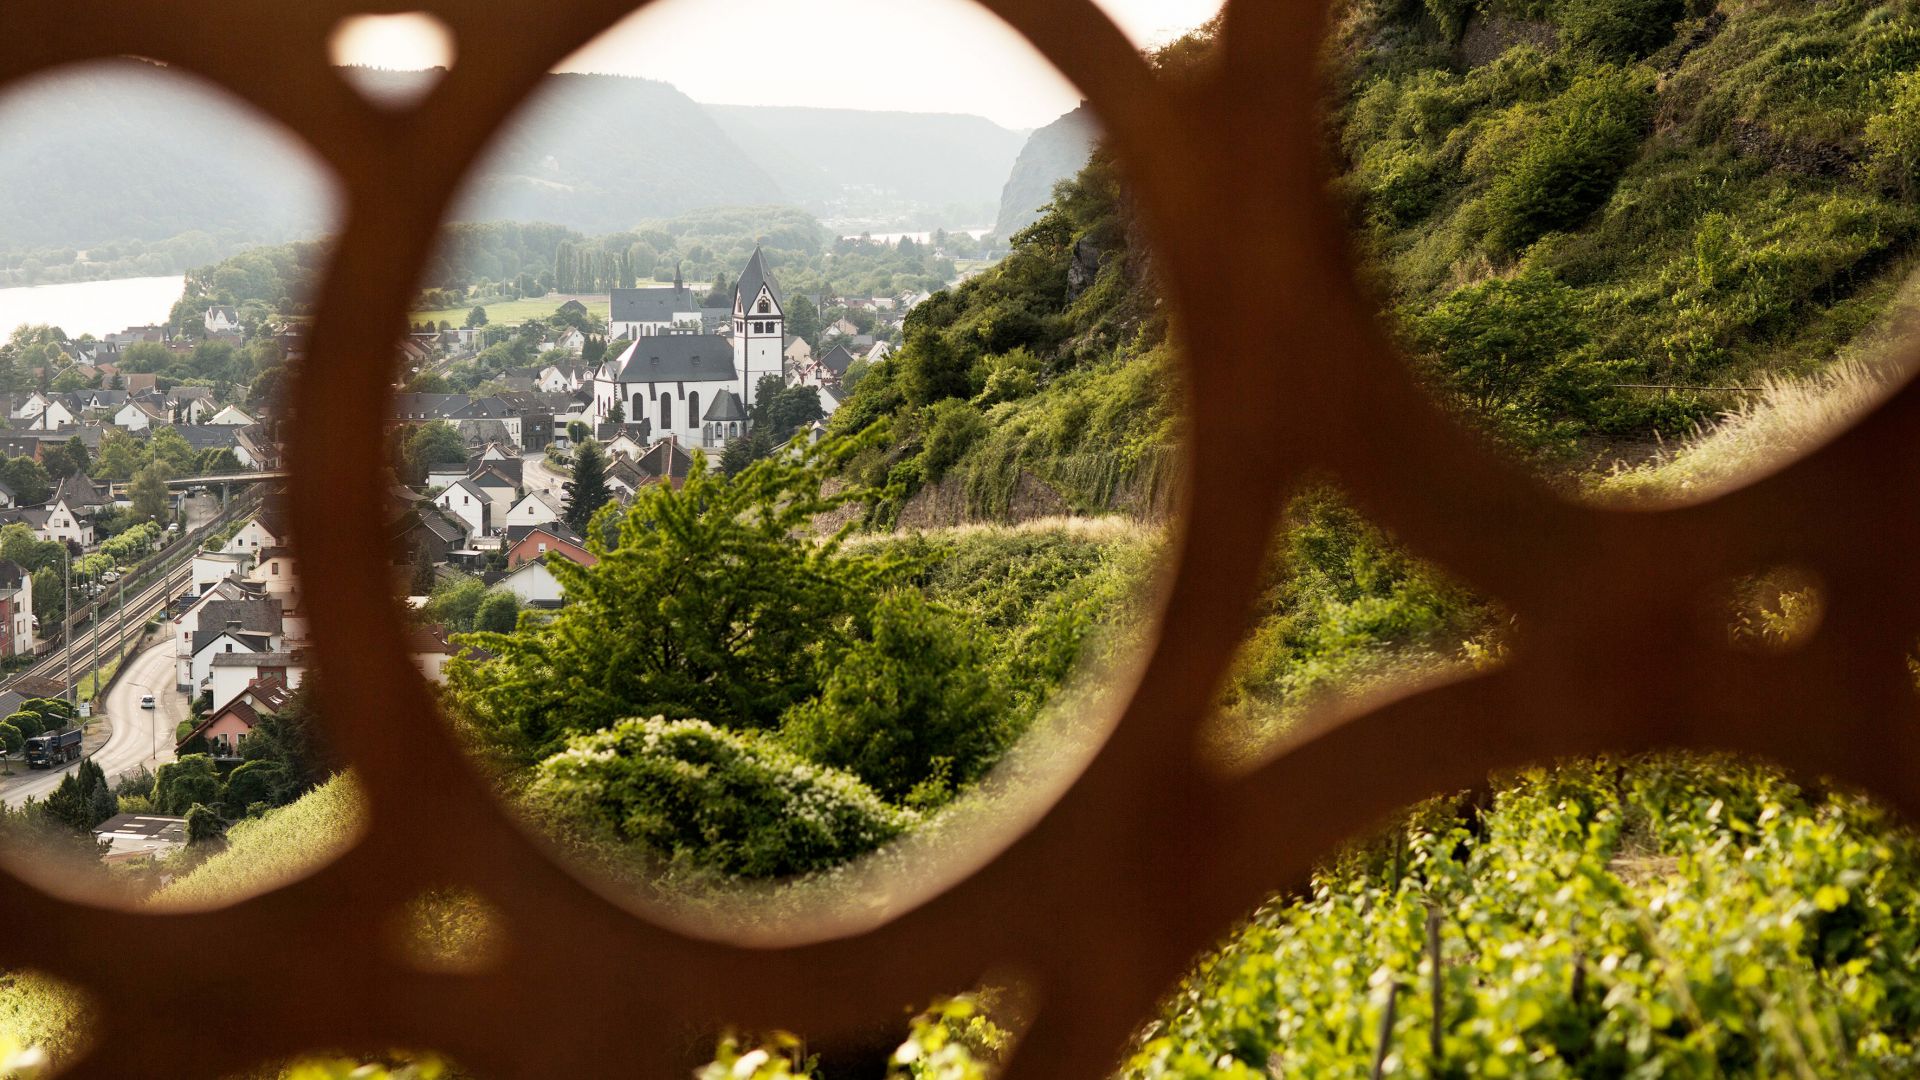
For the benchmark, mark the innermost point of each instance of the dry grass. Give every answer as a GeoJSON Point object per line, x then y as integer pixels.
{"type": "Point", "coordinates": [1790, 418]}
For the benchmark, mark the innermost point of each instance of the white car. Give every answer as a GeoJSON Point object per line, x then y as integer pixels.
{"type": "Point", "coordinates": [146, 702]}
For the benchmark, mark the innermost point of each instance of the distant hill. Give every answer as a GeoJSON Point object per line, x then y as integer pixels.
{"type": "Point", "coordinates": [124, 151]}
{"type": "Point", "coordinates": [1052, 154]}
{"type": "Point", "coordinates": [600, 153]}
{"type": "Point", "coordinates": [156, 175]}
{"type": "Point", "coordinates": [853, 163]}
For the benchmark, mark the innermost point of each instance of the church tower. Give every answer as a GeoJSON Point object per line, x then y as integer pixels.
{"type": "Point", "coordinates": [759, 326]}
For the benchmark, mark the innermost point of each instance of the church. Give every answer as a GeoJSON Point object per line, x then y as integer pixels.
{"type": "Point", "coordinates": [691, 385]}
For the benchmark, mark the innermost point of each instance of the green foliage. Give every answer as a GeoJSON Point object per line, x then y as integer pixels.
{"type": "Point", "coordinates": [1707, 918]}
{"type": "Point", "coordinates": [1893, 137]}
{"type": "Point", "coordinates": [434, 443]}
{"type": "Point", "coordinates": [1571, 160]}
{"type": "Point", "coordinates": [186, 782]}
{"type": "Point", "coordinates": [587, 491]}
{"type": "Point", "coordinates": [914, 709]}
{"type": "Point", "coordinates": [149, 491]}
{"type": "Point", "coordinates": [714, 600]}
{"type": "Point", "coordinates": [264, 851]}
{"type": "Point", "coordinates": [499, 610]}
{"type": "Point", "coordinates": [12, 739]}
{"type": "Point", "coordinates": [1620, 29]}
{"type": "Point", "coordinates": [733, 803]}
{"type": "Point", "coordinates": [83, 799]}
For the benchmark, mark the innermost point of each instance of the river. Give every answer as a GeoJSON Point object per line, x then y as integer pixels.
{"type": "Point", "coordinates": [91, 307]}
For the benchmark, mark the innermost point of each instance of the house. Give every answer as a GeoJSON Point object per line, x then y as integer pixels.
{"type": "Point", "coordinates": [186, 622]}
{"type": "Point", "coordinates": [252, 538]}
{"type": "Point", "coordinates": [131, 837]}
{"type": "Point", "coordinates": [226, 728]}
{"type": "Point", "coordinates": [212, 567]}
{"type": "Point", "coordinates": [273, 572]}
{"type": "Point", "coordinates": [7, 497]}
{"type": "Point", "coordinates": [470, 503]}
{"type": "Point", "coordinates": [664, 461]}
{"type": "Point", "coordinates": [625, 440]}
{"type": "Point", "coordinates": [221, 320]}
{"type": "Point", "coordinates": [52, 415]}
{"type": "Point", "coordinates": [224, 626]}
{"type": "Point", "coordinates": [427, 529]}
{"type": "Point", "coordinates": [534, 508]}
{"type": "Point", "coordinates": [65, 525]}
{"type": "Point", "coordinates": [834, 364]}
{"type": "Point", "coordinates": [16, 609]}
{"type": "Point", "coordinates": [82, 494]}
{"type": "Point", "coordinates": [535, 584]}
{"type": "Point", "coordinates": [139, 416]}
{"type": "Point", "coordinates": [647, 312]}
{"type": "Point", "coordinates": [550, 538]}
{"type": "Point", "coordinates": [191, 404]}
{"type": "Point", "coordinates": [799, 356]}
{"type": "Point", "coordinates": [430, 649]}
{"type": "Point", "coordinates": [880, 351]}
{"type": "Point", "coordinates": [500, 480]}
{"type": "Point", "coordinates": [255, 448]}
{"type": "Point", "coordinates": [232, 416]}
{"type": "Point", "coordinates": [233, 673]}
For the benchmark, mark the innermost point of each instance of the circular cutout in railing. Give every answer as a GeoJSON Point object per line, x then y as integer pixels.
{"type": "Point", "coordinates": [159, 253]}
{"type": "Point", "coordinates": [1601, 230]}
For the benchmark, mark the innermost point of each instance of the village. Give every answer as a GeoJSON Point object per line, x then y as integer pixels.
{"type": "Point", "coordinates": [213, 637]}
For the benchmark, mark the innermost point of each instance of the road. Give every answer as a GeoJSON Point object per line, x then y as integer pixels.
{"type": "Point", "coordinates": [537, 475]}
{"type": "Point", "coordinates": [149, 600]}
{"type": "Point", "coordinates": [137, 736]}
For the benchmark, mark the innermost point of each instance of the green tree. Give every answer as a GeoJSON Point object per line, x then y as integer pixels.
{"type": "Point", "coordinates": [717, 600]}
{"type": "Point", "coordinates": [455, 603]}
{"type": "Point", "coordinates": [29, 481]}
{"type": "Point", "coordinates": [180, 785]}
{"type": "Point", "coordinates": [913, 709]}
{"type": "Point", "coordinates": [587, 492]}
{"type": "Point", "coordinates": [1569, 165]}
{"type": "Point", "coordinates": [27, 723]}
{"type": "Point", "coordinates": [430, 444]}
{"type": "Point", "coordinates": [423, 574]}
{"type": "Point", "coordinates": [803, 320]}
{"type": "Point", "coordinates": [145, 358]}
{"type": "Point", "coordinates": [722, 801]}
{"type": "Point", "coordinates": [12, 739]}
{"type": "Point", "coordinates": [149, 491]}
{"type": "Point", "coordinates": [498, 613]}
{"type": "Point", "coordinates": [204, 825]}
{"type": "Point", "coordinates": [476, 318]}
{"type": "Point", "coordinates": [618, 415]}
{"type": "Point", "coordinates": [120, 455]}
{"type": "Point", "coordinates": [76, 803]}
{"type": "Point", "coordinates": [172, 448]}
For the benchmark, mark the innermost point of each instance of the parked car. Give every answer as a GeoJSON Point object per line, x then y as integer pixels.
{"type": "Point", "coordinates": [146, 701]}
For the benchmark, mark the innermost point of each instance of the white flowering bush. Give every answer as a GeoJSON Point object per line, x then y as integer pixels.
{"type": "Point", "coordinates": [733, 802]}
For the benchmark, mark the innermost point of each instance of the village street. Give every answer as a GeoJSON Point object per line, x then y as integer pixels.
{"type": "Point", "coordinates": [537, 475]}
{"type": "Point", "coordinates": [137, 736]}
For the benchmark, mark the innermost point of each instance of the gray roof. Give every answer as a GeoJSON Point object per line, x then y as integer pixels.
{"type": "Point", "coordinates": [263, 659]}
{"type": "Point", "coordinates": [755, 275]}
{"type": "Point", "coordinates": [837, 360]}
{"type": "Point", "coordinates": [677, 358]}
{"type": "Point", "coordinates": [209, 436]}
{"type": "Point", "coordinates": [726, 406]}
{"type": "Point", "coordinates": [253, 617]}
{"type": "Point", "coordinates": [79, 492]}
{"type": "Point", "coordinates": [486, 408]}
{"type": "Point", "coordinates": [658, 304]}
{"type": "Point", "coordinates": [428, 406]}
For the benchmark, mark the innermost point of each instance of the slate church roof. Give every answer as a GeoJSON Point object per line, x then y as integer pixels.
{"type": "Point", "coordinates": [677, 358]}
{"type": "Point", "coordinates": [755, 275]}
{"type": "Point", "coordinates": [657, 304]}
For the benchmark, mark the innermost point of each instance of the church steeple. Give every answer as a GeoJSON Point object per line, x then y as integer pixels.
{"type": "Point", "coordinates": [677, 283]}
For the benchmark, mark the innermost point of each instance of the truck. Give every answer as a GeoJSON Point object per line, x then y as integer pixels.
{"type": "Point", "coordinates": [52, 749]}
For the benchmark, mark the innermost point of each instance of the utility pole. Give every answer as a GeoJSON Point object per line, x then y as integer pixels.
{"type": "Point", "coordinates": [66, 637]}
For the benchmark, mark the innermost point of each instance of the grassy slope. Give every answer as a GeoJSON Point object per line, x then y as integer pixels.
{"type": "Point", "coordinates": [267, 851]}
{"type": "Point", "coordinates": [1749, 229]}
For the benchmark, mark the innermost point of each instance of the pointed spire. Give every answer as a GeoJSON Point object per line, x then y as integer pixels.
{"type": "Point", "coordinates": [677, 283]}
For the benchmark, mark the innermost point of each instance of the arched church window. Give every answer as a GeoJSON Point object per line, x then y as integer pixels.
{"type": "Point", "coordinates": [639, 409]}
{"type": "Point", "coordinates": [666, 412]}
{"type": "Point", "coordinates": [693, 407]}
{"type": "Point", "coordinates": [766, 305]}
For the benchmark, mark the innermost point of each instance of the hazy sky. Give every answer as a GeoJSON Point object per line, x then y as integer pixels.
{"type": "Point", "coordinates": [914, 55]}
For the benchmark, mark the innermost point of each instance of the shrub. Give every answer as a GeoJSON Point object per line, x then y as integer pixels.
{"type": "Point", "coordinates": [181, 784]}
{"type": "Point", "coordinates": [1620, 29]}
{"type": "Point", "coordinates": [1893, 137]}
{"type": "Point", "coordinates": [1569, 167]}
{"type": "Point", "coordinates": [915, 704]}
{"type": "Point", "coordinates": [721, 801]}
{"type": "Point", "coordinates": [953, 427]}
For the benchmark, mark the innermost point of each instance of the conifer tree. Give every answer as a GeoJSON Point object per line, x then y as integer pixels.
{"type": "Point", "coordinates": [588, 490]}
